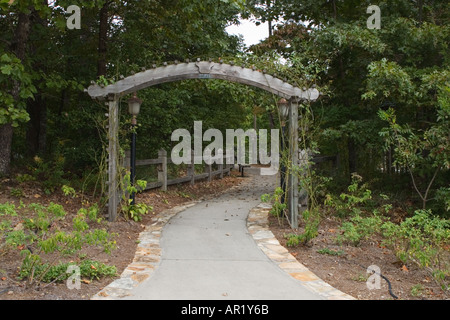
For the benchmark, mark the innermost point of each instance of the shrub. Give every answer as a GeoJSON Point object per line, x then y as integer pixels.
{"type": "Point", "coordinates": [49, 173]}
{"type": "Point", "coordinates": [275, 199]}
{"type": "Point", "coordinates": [40, 240]}
{"type": "Point", "coordinates": [423, 239]}
{"type": "Point", "coordinates": [359, 228]}
{"type": "Point", "coordinates": [330, 252]}
{"type": "Point", "coordinates": [48, 273]}
{"type": "Point", "coordinates": [350, 203]}
{"type": "Point", "coordinates": [8, 209]}
{"type": "Point", "coordinates": [138, 210]}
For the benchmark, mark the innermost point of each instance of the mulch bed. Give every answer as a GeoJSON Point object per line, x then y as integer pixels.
{"type": "Point", "coordinates": [127, 230]}
{"type": "Point", "coordinates": [348, 271]}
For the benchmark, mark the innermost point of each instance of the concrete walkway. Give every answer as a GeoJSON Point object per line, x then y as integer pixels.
{"type": "Point", "coordinates": [215, 250]}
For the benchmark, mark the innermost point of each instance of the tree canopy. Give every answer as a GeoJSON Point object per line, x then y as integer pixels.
{"type": "Point", "coordinates": [384, 108]}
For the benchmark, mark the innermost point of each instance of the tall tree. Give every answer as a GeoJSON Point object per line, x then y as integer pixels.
{"type": "Point", "coordinates": [17, 48]}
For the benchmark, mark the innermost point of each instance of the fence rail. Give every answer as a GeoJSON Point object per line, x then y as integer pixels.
{"type": "Point", "coordinates": [163, 181]}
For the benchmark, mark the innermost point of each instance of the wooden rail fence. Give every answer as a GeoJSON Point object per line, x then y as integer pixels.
{"type": "Point", "coordinates": [163, 181]}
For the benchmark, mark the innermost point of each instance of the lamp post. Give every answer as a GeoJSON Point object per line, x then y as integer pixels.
{"type": "Point", "coordinates": [283, 107]}
{"type": "Point", "coordinates": [134, 105]}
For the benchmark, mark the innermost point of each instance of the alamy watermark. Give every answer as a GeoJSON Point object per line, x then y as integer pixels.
{"type": "Point", "coordinates": [192, 152]}
{"type": "Point", "coordinates": [74, 280]}
{"type": "Point", "coordinates": [374, 281]}
{"type": "Point", "coordinates": [74, 21]}
{"type": "Point", "coordinates": [374, 21]}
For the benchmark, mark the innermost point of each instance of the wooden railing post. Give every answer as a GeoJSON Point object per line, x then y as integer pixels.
{"type": "Point", "coordinates": [209, 170]}
{"type": "Point", "coordinates": [220, 164]}
{"type": "Point", "coordinates": [191, 170]}
{"type": "Point", "coordinates": [228, 164]}
{"type": "Point", "coordinates": [162, 169]}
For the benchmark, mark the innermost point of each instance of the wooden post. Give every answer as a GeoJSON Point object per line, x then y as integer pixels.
{"type": "Point", "coordinates": [191, 170]}
{"type": "Point", "coordinates": [220, 168]}
{"type": "Point", "coordinates": [113, 146]}
{"type": "Point", "coordinates": [162, 169]}
{"type": "Point", "coordinates": [293, 177]}
{"type": "Point", "coordinates": [209, 169]}
{"type": "Point", "coordinates": [229, 162]}
{"type": "Point", "coordinates": [221, 161]}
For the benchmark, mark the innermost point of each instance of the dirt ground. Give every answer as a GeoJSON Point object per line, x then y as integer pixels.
{"type": "Point", "coordinates": [346, 272]}
{"type": "Point", "coordinates": [127, 230]}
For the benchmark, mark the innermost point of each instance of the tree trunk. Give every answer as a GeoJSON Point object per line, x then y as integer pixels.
{"type": "Point", "coordinates": [352, 156]}
{"type": "Point", "coordinates": [36, 134]}
{"type": "Point", "coordinates": [102, 40]}
{"type": "Point", "coordinates": [420, 12]}
{"type": "Point", "coordinates": [37, 127]}
{"type": "Point", "coordinates": [6, 131]}
{"type": "Point", "coordinates": [22, 32]}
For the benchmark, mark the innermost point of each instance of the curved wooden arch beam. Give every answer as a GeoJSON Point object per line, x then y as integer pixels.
{"type": "Point", "coordinates": [201, 70]}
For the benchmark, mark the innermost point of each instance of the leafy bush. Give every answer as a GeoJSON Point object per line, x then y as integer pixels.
{"type": "Point", "coordinates": [24, 177]}
{"type": "Point", "coordinates": [138, 210]}
{"type": "Point", "coordinates": [359, 228]}
{"type": "Point", "coordinates": [350, 203]}
{"type": "Point", "coordinates": [68, 191]}
{"type": "Point", "coordinates": [422, 239]}
{"type": "Point", "coordinates": [312, 220]}
{"type": "Point", "coordinates": [330, 252]}
{"type": "Point", "coordinates": [48, 273]}
{"type": "Point", "coordinates": [50, 173]}
{"type": "Point", "coordinates": [16, 192]}
{"type": "Point", "coordinates": [38, 239]}
{"type": "Point", "coordinates": [443, 197]}
{"type": "Point", "coordinates": [293, 240]}
{"type": "Point", "coordinates": [275, 199]}
{"type": "Point", "coordinates": [8, 209]}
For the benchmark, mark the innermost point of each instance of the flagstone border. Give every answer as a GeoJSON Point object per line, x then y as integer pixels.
{"type": "Point", "coordinates": [258, 227]}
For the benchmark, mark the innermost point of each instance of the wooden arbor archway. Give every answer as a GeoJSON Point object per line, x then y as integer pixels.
{"type": "Point", "coordinates": [199, 70]}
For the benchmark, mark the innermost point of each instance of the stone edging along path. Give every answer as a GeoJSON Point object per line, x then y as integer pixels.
{"type": "Point", "coordinates": [148, 257]}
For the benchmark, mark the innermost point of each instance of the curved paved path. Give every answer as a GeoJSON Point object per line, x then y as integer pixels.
{"type": "Point", "coordinates": [215, 250]}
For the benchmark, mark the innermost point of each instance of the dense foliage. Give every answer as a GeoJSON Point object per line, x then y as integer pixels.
{"type": "Point", "coordinates": [383, 111]}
